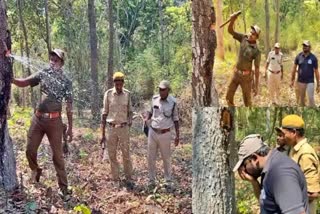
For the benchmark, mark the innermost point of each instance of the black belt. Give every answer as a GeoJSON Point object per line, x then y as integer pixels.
{"type": "Point", "coordinates": [160, 131]}
{"type": "Point", "coordinates": [274, 72]}
{"type": "Point", "coordinates": [121, 125]}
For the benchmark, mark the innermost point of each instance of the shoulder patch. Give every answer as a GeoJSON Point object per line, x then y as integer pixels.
{"type": "Point", "coordinates": [173, 99]}
{"type": "Point", "coordinates": [126, 90]}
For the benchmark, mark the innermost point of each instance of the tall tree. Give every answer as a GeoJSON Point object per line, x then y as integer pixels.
{"type": "Point", "coordinates": [8, 177]}
{"type": "Point", "coordinates": [94, 60]}
{"type": "Point", "coordinates": [266, 8]}
{"type": "Point", "coordinates": [26, 45]}
{"type": "Point", "coordinates": [160, 6]}
{"type": "Point", "coordinates": [48, 38]}
{"type": "Point", "coordinates": [204, 43]}
{"type": "Point", "coordinates": [220, 47]}
{"type": "Point", "coordinates": [277, 31]}
{"type": "Point", "coordinates": [109, 82]}
{"type": "Point", "coordinates": [213, 157]}
{"type": "Point", "coordinates": [213, 149]}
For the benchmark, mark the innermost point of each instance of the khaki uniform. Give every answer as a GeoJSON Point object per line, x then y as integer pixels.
{"type": "Point", "coordinates": [164, 113]}
{"type": "Point", "coordinates": [118, 109]}
{"type": "Point", "coordinates": [274, 75]}
{"type": "Point", "coordinates": [55, 88]}
{"type": "Point", "coordinates": [243, 74]}
{"type": "Point", "coordinates": [307, 159]}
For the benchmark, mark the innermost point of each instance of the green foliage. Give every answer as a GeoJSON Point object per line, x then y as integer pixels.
{"type": "Point", "coordinates": [19, 121]}
{"type": "Point", "coordinates": [82, 209]}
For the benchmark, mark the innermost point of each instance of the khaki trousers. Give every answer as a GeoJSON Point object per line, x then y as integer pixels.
{"type": "Point", "coordinates": [53, 128]}
{"type": "Point", "coordinates": [119, 137]}
{"type": "Point", "coordinates": [313, 206]}
{"type": "Point", "coordinates": [245, 82]}
{"type": "Point", "coordinates": [163, 143]}
{"type": "Point", "coordinates": [274, 81]}
{"type": "Point", "coordinates": [302, 90]}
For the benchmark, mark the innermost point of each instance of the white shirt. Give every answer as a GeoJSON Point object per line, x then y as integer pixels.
{"type": "Point", "coordinates": [275, 61]}
{"type": "Point", "coordinates": [164, 112]}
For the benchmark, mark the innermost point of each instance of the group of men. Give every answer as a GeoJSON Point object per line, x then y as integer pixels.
{"type": "Point", "coordinates": [56, 88]}
{"type": "Point", "coordinates": [289, 174]}
{"type": "Point", "coordinates": [117, 118]}
{"type": "Point", "coordinates": [305, 66]}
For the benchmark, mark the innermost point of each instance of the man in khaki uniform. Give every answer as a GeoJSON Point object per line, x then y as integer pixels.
{"type": "Point", "coordinates": [303, 154]}
{"type": "Point", "coordinates": [163, 115]}
{"type": "Point", "coordinates": [274, 73]}
{"type": "Point", "coordinates": [117, 116]}
{"type": "Point", "coordinates": [55, 88]}
{"type": "Point", "coordinates": [243, 74]}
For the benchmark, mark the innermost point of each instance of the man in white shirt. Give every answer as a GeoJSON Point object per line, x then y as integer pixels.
{"type": "Point", "coordinates": [274, 73]}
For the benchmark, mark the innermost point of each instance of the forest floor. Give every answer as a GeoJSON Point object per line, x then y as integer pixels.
{"type": "Point", "coordinates": [90, 179]}
{"type": "Point", "coordinates": [223, 73]}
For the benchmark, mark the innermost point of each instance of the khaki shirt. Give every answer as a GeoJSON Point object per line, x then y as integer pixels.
{"type": "Point", "coordinates": [275, 61]}
{"type": "Point", "coordinates": [247, 53]}
{"type": "Point", "coordinates": [117, 107]}
{"type": "Point", "coordinates": [164, 112]}
{"type": "Point", "coordinates": [306, 157]}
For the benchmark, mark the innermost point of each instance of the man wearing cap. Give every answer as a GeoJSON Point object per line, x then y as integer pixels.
{"type": "Point", "coordinates": [303, 154]}
{"type": "Point", "coordinates": [243, 74]}
{"type": "Point", "coordinates": [307, 65]}
{"type": "Point", "coordinates": [274, 73]}
{"type": "Point", "coordinates": [282, 188]}
{"type": "Point", "coordinates": [163, 115]}
{"type": "Point", "coordinates": [117, 117]}
{"type": "Point", "coordinates": [55, 88]}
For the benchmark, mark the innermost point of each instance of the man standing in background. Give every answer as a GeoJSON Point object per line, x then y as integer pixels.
{"type": "Point", "coordinates": [274, 73]}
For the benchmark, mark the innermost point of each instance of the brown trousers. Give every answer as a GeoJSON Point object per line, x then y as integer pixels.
{"type": "Point", "coordinates": [245, 82]}
{"type": "Point", "coordinates": [119, 137]}
{"type": "Point", "coordinates": [53, 128]}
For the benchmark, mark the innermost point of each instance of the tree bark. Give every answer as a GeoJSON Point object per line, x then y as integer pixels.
{"type": "Point", "coordinates": [94, 60]}
{"type": "Point", "coordinates": [220, 47]}
{"type": "Point", "coordinates": [214, 155]}
{"type": "Point", "coordinates": [26, 45]}
{"type": "Point", "coordinates": [109, 82]}
{"type": "Point", "coordinates": [160, 5]}
{"type": "Point", "coordinates": [266, 7]}
{"type": "Point", "coordinates": [277, 31]}
{"type": "Point", "coordinates": [48, 38]}
{"type": "Point", "coordinates": [204, 43]}
{"type": "Point", "coordinates": [8, 177]}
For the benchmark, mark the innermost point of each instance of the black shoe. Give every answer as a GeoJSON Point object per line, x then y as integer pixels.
{"type": "Point", "coordinates": [129, 184]}
{"type": "Point", "coordinates": [65, 194]}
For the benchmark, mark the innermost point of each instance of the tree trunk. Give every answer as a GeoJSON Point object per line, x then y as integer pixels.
{"type": "Point", "coordinates": [214, 155]}
{"type": "Point", "coordinates": [160, 5]}
{"type": "Point", "coordinates": [243, 16]}
{"type": "Point", "coordinates": [26, 45]}
{"type": "Point", "coordinates": [266, 7]}
{"type": "Point", "coordinates": [277, 31]}
{"type": "Point", "coordinates": [48, 38]}
{"type": "Point", "coordinates": [94, 60]}
{"type": "Point", "coordinates": [219, 7]}
{"type": "Point", "coordinates": [8, 177]}
{"type": "Point", "coordinates": [111, 43]}
{"type": "Point", "coordinates": [204, 44]}
{"type": "Point", "coordinates": [24, 90]}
